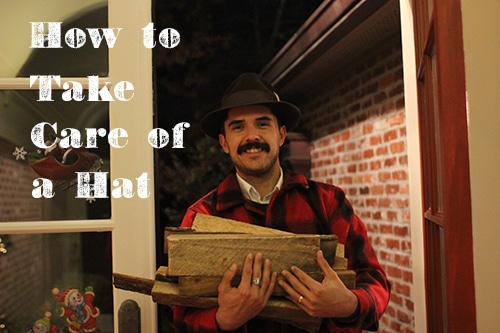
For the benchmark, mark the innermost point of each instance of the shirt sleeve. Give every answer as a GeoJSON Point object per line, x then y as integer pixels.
{"type": "Point", "coordinates": [194, 320]}
{"type": "Point", "coordinates": [190, 319]}
{"type": "Point", "coordinates": [372, 286]}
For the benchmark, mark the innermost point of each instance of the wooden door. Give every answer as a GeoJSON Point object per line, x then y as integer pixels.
{"type": "Point", "coordinates": [68, 241]}
{"type": "Point", "coordinates": [449, 270]}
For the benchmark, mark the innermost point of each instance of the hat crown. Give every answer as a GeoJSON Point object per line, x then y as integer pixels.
{"type": "Point", "coordinates": [248, 89]}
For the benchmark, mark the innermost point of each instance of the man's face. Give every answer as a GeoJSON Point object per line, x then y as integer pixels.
{"type": "Point", "coordinates": [252, 139]}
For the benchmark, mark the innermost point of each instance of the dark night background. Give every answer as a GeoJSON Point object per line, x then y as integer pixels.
{"type": "Point", "coordinates": [219, 40]}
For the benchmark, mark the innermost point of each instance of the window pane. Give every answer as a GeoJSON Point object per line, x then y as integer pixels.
{"type": "Point", "coordinates": [18, 59]}
{"type": "Point", "coordinates": [33, 265]}
{"type": "Point", "coordinates": [19, 114]}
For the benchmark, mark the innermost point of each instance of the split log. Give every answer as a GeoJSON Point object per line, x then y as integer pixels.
{"type": "Point", "coordinates": [209, 223]}
{"type": "Point", "coordinates": [277, 309]}
{"type": "Point", "coordinates": [167, 293]}
{"type": "Point", "coordinates": [133, 283]}
{"type": "Point", "coordinates": [208, 285]}
{"type": "Point", "coordinates": [212, 224]}
{"type": "Point", "coordinates": [212, 254]}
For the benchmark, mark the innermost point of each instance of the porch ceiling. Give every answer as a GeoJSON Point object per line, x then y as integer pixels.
{"type": "Point", "coordinates": [336, 34]}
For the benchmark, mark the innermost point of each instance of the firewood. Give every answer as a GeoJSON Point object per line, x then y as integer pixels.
{"type": "Point", "coordinates": [212, 254]}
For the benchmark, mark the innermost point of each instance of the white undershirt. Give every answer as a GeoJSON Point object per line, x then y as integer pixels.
{"type": "Point", "coordinates": [252, 194]}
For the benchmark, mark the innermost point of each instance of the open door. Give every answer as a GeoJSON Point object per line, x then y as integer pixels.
{"type": "Point", "coordinates": [450, 295]}
{"type": "Point", "coordinates": [52, 248]}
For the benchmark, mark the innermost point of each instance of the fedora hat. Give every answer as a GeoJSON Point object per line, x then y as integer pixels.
{"type": "Point", "coordinates": [249, 89]}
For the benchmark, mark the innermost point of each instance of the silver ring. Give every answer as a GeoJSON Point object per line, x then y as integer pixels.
{"type": "Point", "coordinates": [301, 298]}
{"type": "Point", "coordinates": [256, 281]}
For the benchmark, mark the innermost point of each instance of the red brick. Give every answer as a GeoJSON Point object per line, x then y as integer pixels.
{"type": "Point", "coordinates": [392, 216]}
{"type": "Point", "coordinates": [368, 153]}
{"type": "Point", "coordinates": [380, 151]}
{"type": "Point", "coordinates": [396, 326]}
{"type": "Point", "coordinates": [375, 165]}
{"type": "Point", "coordinates": [396, 299]}
{"type": "Point", "coordinates": [375, 140]}
{"type": "Point", "coordinates": [400, 103]}
{"type": "Point", "coordinates": [384, 202]}
{"type": "Point", "coordinates": [368, 179]}
{"type": "Point", "coordinates": [399, 89]}
{"type": "Point", "coordinates": [386, 80]}
{"type": "Point", "coordinates": [390, 135]}
{"type": "Point", "coordinates": [402, 288]}
{"type": "Point", "coordinates": [392, 188]}
{"type": "Point", "coordinates": [406, 246]}
{"type": "Point", "coordinates": [402, 260]}
{"type": "Point", "coordinates": [384, 176]}
{"type": "Point", "coordinates": [399, 175]}
{"type": "Point", "coordinates": [408, 276]}
{"type": "Point", "coordinates": [367, 128]}
{"type": "Point", "coordinates": [387, 108]}
{"type": "Point", "coordinates": [394, 272]}
{"type": "Point", "coordinates": [377, 189]}
{"type": "Point", "coordinates": [393, 243]}
{"type": "Point", "coordinates": [401, 231]}
{"type": "Point", "coordinates": [401, 202]}
{"type": "Point", "coordinates": [404, 317]}
{"type": "Point", "coordinates": [386, 229]}
{"type": "Point", "coordinates": [409, 305]}
{"type": "Point", "coordinates": [397, 147]}
{"type": "Point", "coordinates": [357, 156]}
{"type": "Point", "coordinates": [345, 135]}
{"type": "Point", "coordinates": [389, 162]}
{"type": "Point", "coordinates": [397, 119]}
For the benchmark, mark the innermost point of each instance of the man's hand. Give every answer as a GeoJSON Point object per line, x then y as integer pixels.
{"type": "Point", "coordinates": [327, 299]}
{"type": "Point", "coordinates": [239, 305]}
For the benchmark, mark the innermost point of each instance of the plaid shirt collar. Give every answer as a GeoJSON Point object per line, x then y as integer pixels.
{"type": "Point", "coordinates": [251, 193]}
{"type": "Point", "coordinates": [229, 193]}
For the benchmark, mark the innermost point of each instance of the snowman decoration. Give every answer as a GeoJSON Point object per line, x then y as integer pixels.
{"type": "Point", "coordinates": [78, 308]}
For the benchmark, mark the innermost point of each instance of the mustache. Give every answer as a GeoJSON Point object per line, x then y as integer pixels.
{"type": "Point", "coordinates": [254, 144]}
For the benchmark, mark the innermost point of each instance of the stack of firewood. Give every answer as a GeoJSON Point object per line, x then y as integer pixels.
{"type": "Point", "coordinates": [200, 255]}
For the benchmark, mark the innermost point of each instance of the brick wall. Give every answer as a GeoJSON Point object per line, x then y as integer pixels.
{"type": "Point", "coordinates": [358, 136]}
{"type": "Point", "coordinates": [16, 201]}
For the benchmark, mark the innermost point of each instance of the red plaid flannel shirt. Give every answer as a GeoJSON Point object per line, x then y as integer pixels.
{"type": "Point", "coordinates": [305, 207]}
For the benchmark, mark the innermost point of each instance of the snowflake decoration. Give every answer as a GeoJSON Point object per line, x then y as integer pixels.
{"type": "Point", "coordinates": [20, 153]}
{"type": "Point", "coordinates": [91, 198]}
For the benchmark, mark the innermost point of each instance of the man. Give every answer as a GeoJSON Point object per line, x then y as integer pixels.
{"type": "Point", "coordinates": [251, 126]}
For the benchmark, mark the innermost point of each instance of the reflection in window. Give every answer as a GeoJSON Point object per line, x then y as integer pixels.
{"type": "Point", "coordinates": [18, 59]}
{"type": "Point", "coordinates": [41, 272]}
{"type": "Point", "coordinates": [20, 113]}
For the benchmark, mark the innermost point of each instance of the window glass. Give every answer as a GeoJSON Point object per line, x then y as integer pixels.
{"type": "Point", "coordinates": [58, 281]}
{"type": "Point", "coordinates": [22, 162]}
{"type": "Point", "coordinates": [19, 59]}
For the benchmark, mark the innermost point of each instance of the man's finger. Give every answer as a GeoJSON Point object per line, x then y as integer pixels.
{"type": "Point", "coordinates": [225, 283]}
{"type": "Point", "coordinates": [272, 282]}
{"type": "Point", "coordinates": [323, 264]}
{"type": "Point", "coordinates": [246, 274]}
{"type": "Point", "coordinates": [302, 276]}
{"type": "Point", "coordinates": [257, 269]}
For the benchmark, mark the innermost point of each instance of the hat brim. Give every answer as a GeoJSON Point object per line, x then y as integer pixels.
{"type": "Point", "coordinates": [287, 113]}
